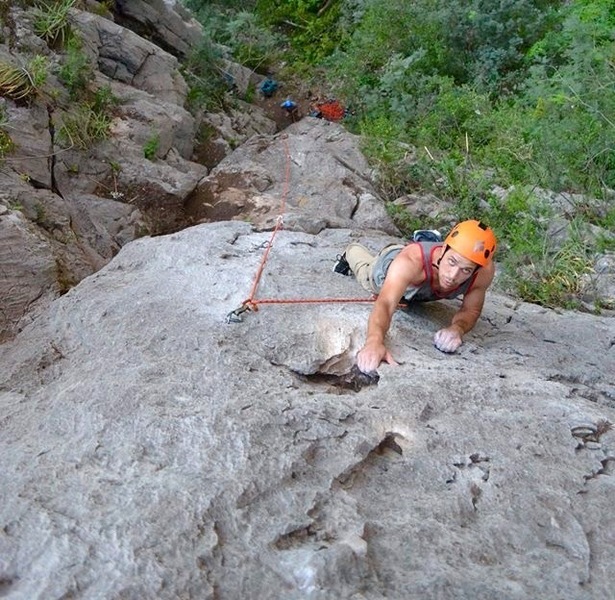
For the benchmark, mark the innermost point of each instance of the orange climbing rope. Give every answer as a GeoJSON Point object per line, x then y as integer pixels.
{"type": "Point", "coordinates": [251, 303]}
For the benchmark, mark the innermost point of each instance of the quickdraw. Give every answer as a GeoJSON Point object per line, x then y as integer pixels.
{"type": "Point", "coordinates": [235, 315]}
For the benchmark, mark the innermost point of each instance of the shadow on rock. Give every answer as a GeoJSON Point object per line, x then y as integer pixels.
{"type": "Point", "coordinates": [353, 381]}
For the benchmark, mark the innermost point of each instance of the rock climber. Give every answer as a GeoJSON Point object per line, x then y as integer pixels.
{"type": "Point", "coordinates": [423, 271]}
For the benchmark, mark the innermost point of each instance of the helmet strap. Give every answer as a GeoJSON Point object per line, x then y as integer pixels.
{"type": "Point", "coordinates": [446, 249]}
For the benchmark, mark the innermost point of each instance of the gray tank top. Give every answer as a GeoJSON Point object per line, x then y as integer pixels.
{"type": "Point", "coordinates": [424, 292]}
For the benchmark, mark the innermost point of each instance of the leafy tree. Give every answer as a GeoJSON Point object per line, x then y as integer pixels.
{"type": "Point", "coordinates": [237, 27]}
{"type": "Point", "coordinates": [311, 25]}
{"type": "Point", "coordinates": [486, 41]}
{"type": "Point", "coordinates": [477, 42]}
{"type": "Point", "coordinates": [564, 118]}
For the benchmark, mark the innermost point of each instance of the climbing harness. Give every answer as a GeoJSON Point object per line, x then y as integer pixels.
{"type": "Point", "coordinates": [251, 303]}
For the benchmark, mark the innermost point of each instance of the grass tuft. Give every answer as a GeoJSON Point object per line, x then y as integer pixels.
{"type": "Point", "coordinates": [51, 21]}
{"type": "Point", "coordinates": [15, 82]}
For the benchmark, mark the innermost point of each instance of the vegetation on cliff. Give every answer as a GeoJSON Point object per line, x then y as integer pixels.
{"type": "Point", "coordinates": [462, 99]}
{"type": "Point", "coordinates": [504, 110]}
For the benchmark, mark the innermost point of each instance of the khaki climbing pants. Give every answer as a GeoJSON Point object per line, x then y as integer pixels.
{"type": "Point", "coordinates": [368, 269]}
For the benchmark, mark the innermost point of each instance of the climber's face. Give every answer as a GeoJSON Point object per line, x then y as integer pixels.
{"type": "Point", "coordinates": [454, 269]}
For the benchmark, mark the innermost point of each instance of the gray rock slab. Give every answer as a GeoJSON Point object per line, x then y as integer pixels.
{"type": "Point", "coordinates": [28, 271]}
{"type": "Point", "coordinates": [224, 131]}
{"type": "Point", "coordinates": [124, 56]}
{"type": "Point", "coordinates": [29, 132]}
{"type": "Point", "coordinates": [314, 169]}
{"type": "Point", "coordinates": [140, 116]}
{"type": "Point", "coordinates": [49, 243]}
{"type": "Point", "coordinates": [105, 224]}
{"type": "Point", "coordinates": [150, 449]}
{"type": "Point", "coordinates": [168, 22]}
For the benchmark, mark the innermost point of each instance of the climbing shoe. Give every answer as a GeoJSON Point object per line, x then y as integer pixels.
{"type": "Point", "coordinates": [341, 265]}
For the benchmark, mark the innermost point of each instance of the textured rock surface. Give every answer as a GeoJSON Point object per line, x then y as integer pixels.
{"type": "Point", "coordinates": [124, 56]}
{"type": "Point", "coordinates": [83, 204]}
{"type": "Point", "coordinates": [227, 130]}
{"type": "Point", "coordinates": [33, 144]}
{"type": "Point", "coordinates": [315, 166]}
{"type": "Point", "coordinates": [27, 280]}
{"type": "Point", "coordinates": [150, 450]}
{"type": "Point", "coordinates": [48, 244]}
{"type": "Point", "coordinates": [166, 22]}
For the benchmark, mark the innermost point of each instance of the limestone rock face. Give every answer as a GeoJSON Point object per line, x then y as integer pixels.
{"type": "Point", "coordinates": [229, 129]}
{"type": "Point", "coordinates": [50, 243]}
{"type": "Point", "coordinates": [151, 449]}
{"type": "Point", "coordinates": [166, 22]}
{"type": "Point", "coordinates": [313, 168]}
{"type": "Point", "coordinates": [28, 271]}
{"type": "Point", "coordinates": [82, 204]}
{"type": "Point", "coordinates": [124, 56]}
{"type": "Point", "coordinates": [32, 143]}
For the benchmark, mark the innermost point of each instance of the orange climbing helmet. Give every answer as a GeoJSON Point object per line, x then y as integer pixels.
{"type": "Point", "coordinates": [473, 240]}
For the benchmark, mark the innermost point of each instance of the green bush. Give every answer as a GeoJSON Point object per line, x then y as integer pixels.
{"type": "Point", "coordinates": [84, 126]}
{"type": "Point", "coordinates": [486, 41]}
{"type": "Point", "coordinates": [38, 70]}
{"type": "Point", "coordinates": [76, 72]}
{"type": "Point", "coordinates": [458, 121]}
{"type": "Point", "coordinates": [151, 147]}
{"type": "Point", "coordinates": [251, 43]}
{"type": "Point", "coordinates": [558, 132]}
{"type": "Point", "coordinates": [385, 33]}
{"type": "Point", "coordinates": [23, 83]}
{"type": "Point", "coordinates": [554, 279]}
{"type": "Point", "coordinates": [381, 135]}
{"type": "Point", "coordinates": [476, 42]}
{"type": "Point", "coordinates": [204, 74]}
{"type": "Point", "coordinates": [520, 222]}
{"type": "Point", "coordinates": [6, 143]}
{"type": "Point", "coordinates": [311, 26]}
{"type": "Point", "coordinates": [103, 100]}
{"type": "Point", "coordinates": [534, 267]}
